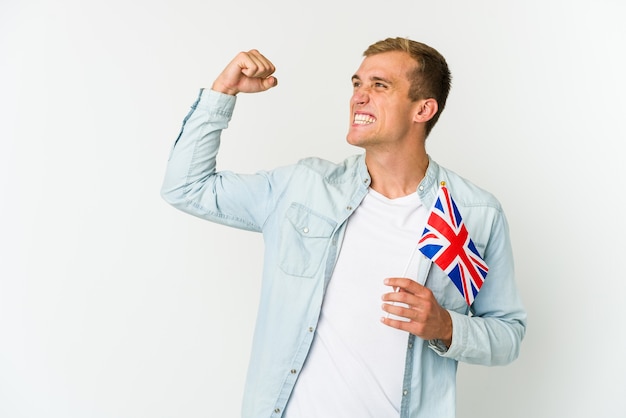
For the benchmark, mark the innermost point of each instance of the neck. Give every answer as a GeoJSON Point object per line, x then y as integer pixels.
{"type": "Point", "coordinates": [396, 175]}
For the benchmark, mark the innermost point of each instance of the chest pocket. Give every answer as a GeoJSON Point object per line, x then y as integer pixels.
{"type": "Point", "coordinates": [305, 238]}
{"type": "Point", "coordinates": [444, 289]}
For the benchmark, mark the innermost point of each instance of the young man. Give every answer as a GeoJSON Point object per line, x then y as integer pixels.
{"type": "Point", "coordinates": [342, 239]}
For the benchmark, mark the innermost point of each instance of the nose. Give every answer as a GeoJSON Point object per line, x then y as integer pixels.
{"type": "Point", "coordinates": [359, 97]}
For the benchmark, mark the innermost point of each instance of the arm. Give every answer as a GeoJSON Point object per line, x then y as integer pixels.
{"type": "Point", "coordinates": [192, 183]}
{"type": "Point", "coordinates": [492, 334]}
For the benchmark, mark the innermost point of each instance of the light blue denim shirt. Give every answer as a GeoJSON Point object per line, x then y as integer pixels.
{"type": "Point", "coordinates": [301, 210]}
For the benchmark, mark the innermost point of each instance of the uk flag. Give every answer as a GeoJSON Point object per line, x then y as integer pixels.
{"type": "Point", "coordinates": [447, 243]}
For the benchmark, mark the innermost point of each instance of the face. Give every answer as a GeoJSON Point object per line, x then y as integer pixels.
{"type": "Point", "coordinates": [381, 113]}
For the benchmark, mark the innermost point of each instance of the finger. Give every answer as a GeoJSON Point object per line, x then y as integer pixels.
{"type": "Point", "coordinates": [265, 66]}
{"type": "Point", "coordinates": [249, 65]}
{"type": "Point", "coordinates": [270, 82]}
{"type": "Point", "coordinates": [260, 58]}
{"type": "Point", "coordinates": [403, 325]}
{"type": "Point", "coordinates": [405, 284]}
{"type": "Point", "coordinates": [401, 296]}
{"type": "Point", "coordinates": [400, 311]}
{"type": "Point", "coordinates": [256, 65]}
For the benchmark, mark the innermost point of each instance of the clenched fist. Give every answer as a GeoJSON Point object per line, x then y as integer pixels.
{"type": "Point", "coordinates": [248, 72]}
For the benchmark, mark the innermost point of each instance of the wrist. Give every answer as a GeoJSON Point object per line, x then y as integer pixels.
{"type": "Point", "coordinates": [218, 87]}
{"type": "Point", "coordinates": [446, 337]}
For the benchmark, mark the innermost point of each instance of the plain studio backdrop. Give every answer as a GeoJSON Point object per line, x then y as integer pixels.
{"type": "Point", "coordinates": [113, 304]}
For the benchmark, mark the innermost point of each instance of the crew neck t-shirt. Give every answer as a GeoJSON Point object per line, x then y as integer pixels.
{"type": "Point", "coordinates": [356, 363]}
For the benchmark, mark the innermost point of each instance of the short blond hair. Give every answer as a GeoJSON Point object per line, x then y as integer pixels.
{"type": "Point", "coordinates": [431, 77]}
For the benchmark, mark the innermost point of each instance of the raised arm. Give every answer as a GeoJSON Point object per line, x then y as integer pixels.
{"type": "Point", "coordinates": [192, 183]}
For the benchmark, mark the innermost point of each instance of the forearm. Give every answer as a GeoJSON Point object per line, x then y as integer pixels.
{"type": "Point", "coordinates": [493, 332]}
{"type": "Point", "coordinates": [191, 181]}
{"type": "Point", "coordinates": [192, 159]}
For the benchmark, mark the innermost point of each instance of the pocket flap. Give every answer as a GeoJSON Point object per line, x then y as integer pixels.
{"type": "Point", "coordinates": [309, 224]}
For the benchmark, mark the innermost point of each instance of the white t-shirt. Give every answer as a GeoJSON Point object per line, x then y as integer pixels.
{"type": "Point", "coordinates": [356, 364]}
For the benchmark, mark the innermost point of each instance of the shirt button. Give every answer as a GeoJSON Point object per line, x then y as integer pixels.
{"type": "Point", "coordinates": [305, 230]}
{"type": "Point", "coordinates": [421, 187]}
{"type": "Point", "coordinates": [405, 392]}
{"type": "Point", "coordinates": [277, 410]}
{"type": "Point", "coordinates": [349, 207]}
{"type": "Point", "coordinates": [310, 329]}
{"type": "Point", "coordinates": [293, 371]}
{"type": "Point", "coordinates": [410, 345]}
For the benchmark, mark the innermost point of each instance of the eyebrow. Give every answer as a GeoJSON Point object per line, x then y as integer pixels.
{"type": "Point", "coordinates": [356, 77]}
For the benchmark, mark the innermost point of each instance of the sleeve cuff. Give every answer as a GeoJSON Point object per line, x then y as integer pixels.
{"type": "Point", "coordinates": [215, 102]}
{"type": "Point", "coordinates": [458, 326]}
{"type": "Point", "coordinates": [438, 346]}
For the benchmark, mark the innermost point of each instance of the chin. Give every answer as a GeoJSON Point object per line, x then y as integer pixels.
{"type": "Point", "coordinates": [353, 137]}
{"type": "Point", "coordinates": [352, 141]}
{"type": "Point", "coordinates": [357, 140]}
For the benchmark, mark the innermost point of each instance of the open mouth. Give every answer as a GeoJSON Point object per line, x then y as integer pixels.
{"type": "Point", "coordinates": [363, 119]}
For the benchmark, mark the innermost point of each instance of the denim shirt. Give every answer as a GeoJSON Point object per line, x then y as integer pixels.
{"type": "Point", "coordinates": [301, 210]}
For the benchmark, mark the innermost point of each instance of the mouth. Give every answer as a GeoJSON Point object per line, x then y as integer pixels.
{"type": "Point", "coordinates": [363, 119]}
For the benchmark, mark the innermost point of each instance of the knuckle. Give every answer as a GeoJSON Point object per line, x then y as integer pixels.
{"type": "Point", "coordinates": [403, 297]}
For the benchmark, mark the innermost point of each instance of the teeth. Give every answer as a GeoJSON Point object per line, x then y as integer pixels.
{"type": "Point", "coordinates": [361, 119]}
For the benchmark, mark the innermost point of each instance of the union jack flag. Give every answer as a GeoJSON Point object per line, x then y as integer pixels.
{"type": "Point", "coordinates": [447, 243]}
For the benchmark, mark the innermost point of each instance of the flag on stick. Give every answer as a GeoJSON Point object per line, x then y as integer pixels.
{"type": "Point", "coordinates": [447, 243]}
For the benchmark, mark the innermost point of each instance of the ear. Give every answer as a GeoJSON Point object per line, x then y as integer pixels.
{"type": "Point", "coordinates": [426, 110]}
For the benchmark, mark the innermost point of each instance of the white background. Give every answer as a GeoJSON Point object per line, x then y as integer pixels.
{"type": "Point", "coordinates": [113, 304]}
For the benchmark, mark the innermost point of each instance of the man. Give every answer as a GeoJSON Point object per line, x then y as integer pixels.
{"type": "Point", "coordinates": [342, 239]}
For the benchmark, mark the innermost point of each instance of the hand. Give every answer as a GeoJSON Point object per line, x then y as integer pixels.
{"type": "Point", "coordinates": [426, 318]}
{"type": "Point", "coordinates": [248, 72]}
